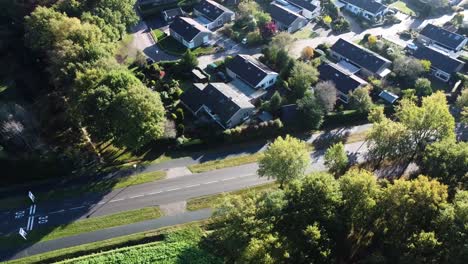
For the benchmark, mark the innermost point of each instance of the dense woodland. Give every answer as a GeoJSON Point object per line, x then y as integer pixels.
{"type": "Point", "coordinates": [64, 90]}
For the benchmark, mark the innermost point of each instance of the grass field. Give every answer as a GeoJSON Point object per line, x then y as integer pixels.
{"type": "Point", "coordinates": [224, 163]}
{"type": "Point", "coordinates": [83, 226]}
{"type": "Point", "coordinates": [211, 201]}
{"type": "Point", "coordinates": [105, 245]}
{"type": "Point", "coordinates": [403, 7]}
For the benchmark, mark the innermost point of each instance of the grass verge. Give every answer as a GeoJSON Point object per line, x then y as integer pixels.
{"type": "Point", "coordinates": [305, 33]}
{"type": "Point", "coordinates": [109, 244]}
{"type": "Point", "coordinates": [211, 201]}
{"type": "Point", "coordinates": [224, 163]}
{"type": "Point", "coordinates": [158, 34]}
{"type": "Point", "coordinates": [171, 46]}
{"type": "Point", "coordinates": [82, 226]}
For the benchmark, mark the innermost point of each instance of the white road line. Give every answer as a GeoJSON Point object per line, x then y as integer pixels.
{"type": "Point", "coordinates": [34, 209]}
{"type": "Point", "coordinates": [30, 209]}
{"type": "Point", "coordinates": [78, 207]}
{"type": "Point", "coordinates": [116, 200]}
{"type": "Point", "coordinates": [29, 222]}
{"type": "Point", "coordinates": [101, 203]}
{"type": "Point", "coordinates": [136, 196]}
{"type": "Point", "coordinates": [175, 189]}
{"type": "Point", "coordinates": [210, 182]}
{"type": "Point", "coordinates": [56, 212]}
{"type": "Point", "coordinates": [153, 193]}
{"type": "Point", "coordinates": [228, 179]}
{"type": "Point", "coordinates": [32, 223]}
{"type": "Point", "coordinates": [194, 185]}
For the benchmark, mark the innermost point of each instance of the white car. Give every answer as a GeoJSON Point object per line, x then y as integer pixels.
{"type": "Point", "coordinates": [244, 41]}
{"type": "Point", "coordinates": [411, 46]}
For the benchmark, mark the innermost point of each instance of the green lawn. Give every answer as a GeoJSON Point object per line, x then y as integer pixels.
{"type": "Point", "coordinates": [224, 163]}
{"type": "Point", "coordinates": [158, 34]}
{"type": "Point", "coordinates": [204, 50]}
{"type": "Point", "coordinates": [305, 33]}
{"type": "Point", "coordinates": [96, 187]}
{"type": "Point", "coordinates": [211, 201]}
{"type": "Point", "coordinates": [403, 7]}
{"type": "Point", "coordinates": [82, 226]}
{"type": "Point", "coordinates": [172, 46]}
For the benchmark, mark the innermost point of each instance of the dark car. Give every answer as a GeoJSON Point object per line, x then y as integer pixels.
{"type": "Point", "coordinates": [222, 76]}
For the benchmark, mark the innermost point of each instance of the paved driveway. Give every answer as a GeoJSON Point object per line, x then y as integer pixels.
{"type": "Point", "coordinates": [143, 41]}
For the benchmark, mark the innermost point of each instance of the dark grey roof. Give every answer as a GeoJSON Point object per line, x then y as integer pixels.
{"type": "Point", "coordinates": [368, 5]}
{"type": "Point", "coordinates": [283, 15]}
{"type": "Point", "coordinates": [187, 27]}
{"type": "Point", "coordinates": [344, 81]}
{"type": "Point", "coordinates": [438, 60]}
{"type": "Point", "coordinates": [442, 37]}
{"type": "Point", "coordinates": [174, 12]}
{"type": "Point", "coordinates": [306, 4]}
{"type": "Point", "coordinates": [360, 56]}
{"type": "Point", "coordinates": [248, 69]}
{"type": "Point", "coordinates": [220, 98]}
{"type": "Point", "coordinates": [388, 96]}
{"type": "Point", "coordinates": [210, 9]}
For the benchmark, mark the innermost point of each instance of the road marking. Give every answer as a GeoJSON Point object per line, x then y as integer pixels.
{"type": "Point", "coordinates": [136, 196]}
{"type": "Point", "coordinates": [154, 193]}
{"type": "Point", "coordinates": [175, 189]}
{"type": "Point", "coordinates": [228, 179]}
{"type": "Point", "coordinates": [101, 203]}
{"type": "Point", "coordinates": [29, 221]}
{"type": "Point", "coordinates": [56, 212]}
{"type": "Point", "coordinates": [32, 223]}
{"type": "Point", "coordinates": [34, 209]}
{"type": "Point", "coordinates": [190, 186]}
{"type": "Point", "coordinates": [79, 207]}
{"type": "Point", "coordinates": [211, 182]}
{"type": "Point", "coordinates": [116, 200]}
{"type": "Point", "coordinates": [30, 210]}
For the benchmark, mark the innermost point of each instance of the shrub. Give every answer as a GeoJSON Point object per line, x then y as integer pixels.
{"type": "Point", "coordinates": [262, 130]}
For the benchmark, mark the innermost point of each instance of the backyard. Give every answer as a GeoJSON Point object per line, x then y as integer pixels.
{"type": "Point", "coordinates": [403, 7]}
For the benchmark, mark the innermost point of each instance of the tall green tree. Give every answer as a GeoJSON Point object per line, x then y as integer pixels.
{"type": "Point", "coordinates": [115, 105]}
{"type": "Point", "coordinates": [302, 77]}
{"type": "Point", "coordinates": [311, 111]}
{"type": "Point", "coordinates": [285, 159]}
{"type": "Point", "coordinates": [188, 61]}
{"type": "Point", "coordinates": [423, 87]}
{"type": "Point", "coordinates": [360, 100]}
{"type": "Point", "coordinates": [336, 159]}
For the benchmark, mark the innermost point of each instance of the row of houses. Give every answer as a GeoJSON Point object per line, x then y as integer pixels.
{"type": "Point", "coordinates": [292, 15]}
{"type": "Point", "coordinates": [197, 31]}
{"type": "Point", "coordinates": [229, 104]}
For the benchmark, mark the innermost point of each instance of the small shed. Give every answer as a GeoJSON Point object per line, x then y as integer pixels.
{"type": "Point", "coordinates": [388, 96]}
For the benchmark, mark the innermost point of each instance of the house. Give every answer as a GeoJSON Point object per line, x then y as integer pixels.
{"type": "Point", "coordinates": [170, 14]}
{"type": "Point", "coordinates": [368, 9]}
{"type": "Point", "coordinates": [442, 65]}
{"type": "Point", "coordinates": [219, 102]}
{"type": "Point", "coordinates": [359, 60]}
{"type": "Point", "coordinates": [250, 71]}
{"type": "Point", "coordinates": [307, 8]}
{"type": "Point", "coordinates": [345, 82]}
{"type": "Point", "coordinates": [285, 19]}
{"type": "Point", "coordinates": [189, 32]}
{"type": "Point", "coordinates": [439, 37]}
{"type": "Point", "coordinates": [211, 14]}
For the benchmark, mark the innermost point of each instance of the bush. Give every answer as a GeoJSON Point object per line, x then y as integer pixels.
{"type": "Point", "coordinates": [254, 38]}
{"type": "Point", "coordinates": [262, 130]}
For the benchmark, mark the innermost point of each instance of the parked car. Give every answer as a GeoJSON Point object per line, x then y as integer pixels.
{"type": "Point", "coordinates": [244, 41]}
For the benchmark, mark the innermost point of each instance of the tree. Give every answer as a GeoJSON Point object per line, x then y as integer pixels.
{"type": "Point", "coordinates": [188, 61]}
{"type": "Point", "coordinates": [408, 68]}
{"type": "Point", "coordinates": [388, 140]}
{"type": "Point", "coordinates": [360, 100]}
{"type": "Point", "coordinates": [372, 40]}
{"type": "Point", "coordinates": [336, 159]}
{"type": "Point", "coordinates": [114, 105]}
{"type": "Point", "coordinates": [327, 20]}
{"type": "Point", "coordinates": [430, 122]}
{"type": "Point", "coordinates": [282, 40]}
{"type": "Point", "coordinates": [262, 18]}
{"type": "Point", "coordinates": [282, 59]}
{"type": "Point", "coordinates": [326, 94]}
{"type": "Point", "coordinates": [376, 114]}
{"type": "Point", "coordinates": [423, 87]}
{"type": "Point", "coordinates": [285, 159]}
{"type": "Point", "coordinates": [275, 103]}
{"type": "Point", "coordinates": [426, 64]}
{"type": "Point", "coordinates": [462, 105]}
{"type": "Point", "coordinates": [302, 77]}
{"type": "Point", "coordinates": [307, 53]}
{"type": "Point", "coordinates": [311, 111]}
{"type": "Point", "coordinates": [268, 30]}
{"type": "Point", "coordinates": [446, 161]}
